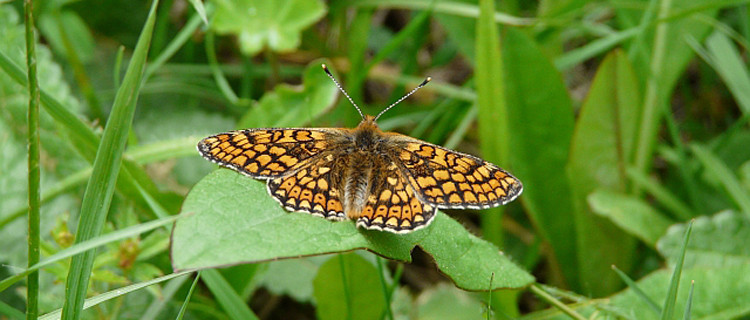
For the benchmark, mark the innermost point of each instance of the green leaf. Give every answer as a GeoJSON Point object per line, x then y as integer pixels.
{"type": "Point", "coordinates": [76, 30]}
{"type": "Point", "coordinates": [601, 148]}
{"type": "Point", "coordinates": [101, 186]}
{"type": "Point", "coordinates": [632, 214]}
{"type": "Point", "coordinates": [728, 63]}
{"type": "Point", "coordinates": [542, 125]}
{"type": "Point", "coordinates": [716, 241]}
{"type": "Point", "coordinates": [235, 221]}
{"type": "Point", "coordinates": [293, 277]}
{"type": "Point", "coordinates": [348, 287]}
{"type": "Point", "coordinates": [289, 106]}
{"type": "Point", "coordinates": [713, 288]}
{"type": "Point", "coordinates": [445, 303]}
{"type": "Point", "coordinates": [273, 24]}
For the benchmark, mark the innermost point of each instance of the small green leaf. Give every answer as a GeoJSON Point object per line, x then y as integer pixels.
{"type": "Point", "coordinates": [293, 277]}
{"type": "Point", "coordinates": [630, 213]}
{"type": "Point", "coordinates": [235, 221]}
{"type": "Point", "coordinates": [716, 241]}
{"type": "Point", "coordinates": [289, 106]}
{"type": "Point", "coordinates": [273, 24]}
{"type": "Point", "coordinates": [348, 287]}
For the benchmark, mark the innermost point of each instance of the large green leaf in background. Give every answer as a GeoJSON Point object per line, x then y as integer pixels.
{"type": "Point", "coordinates": [289, 105]}
{"type": "Point", "coordinates": [275, 24]}
{"type": "Point", "coordinates": [231, 219]}
{"type": "Point", "coordinates": [541, 126]}
{"type": "Point", "coordinates": [602, 146]}
{"type": "Point", "coordinates": [718, 241]}
{"type": "Point", "coordinates": [632, 214]}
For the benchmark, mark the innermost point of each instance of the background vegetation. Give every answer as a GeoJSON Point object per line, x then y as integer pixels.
{"type": "Point", "coordinates": [625, 119]}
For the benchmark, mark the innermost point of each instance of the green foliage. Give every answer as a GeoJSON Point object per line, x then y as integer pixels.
{"type": "Point", "coordinates": [624, 119]}
{"type": "Point", "coordinates": [273, 24]}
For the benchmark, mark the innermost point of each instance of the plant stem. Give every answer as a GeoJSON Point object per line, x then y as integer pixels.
{"type": "Point", "coordinates": [551, 300]}
{"type": "Point", "coordinates": [34, 175]}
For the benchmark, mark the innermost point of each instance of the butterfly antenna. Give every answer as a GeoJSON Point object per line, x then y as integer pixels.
{"type": "Point", "coordinates": [424, 83]}
{"type": "Point", "coordinates": [338, 85]}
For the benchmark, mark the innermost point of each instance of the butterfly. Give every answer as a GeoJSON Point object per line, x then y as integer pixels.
{"type": "Point", "coordinates": [385, 180]}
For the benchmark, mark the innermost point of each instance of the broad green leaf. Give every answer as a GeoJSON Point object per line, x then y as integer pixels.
{"type": "Point", "coordinates": [348, 287]}
{"type": "Point", "coordinates": [601, 148]}
{"type": "Point", "coordinates": [260, 24]}
{"type": "Point", "coordinates": [100, 188]}
{"type": "Point", "coordinates": [541, 122]}
{"type": "Point", "coordinates": [444, 302]}
{"type": "Point", "coordinates": [231, 219]}
{"type": "Point", "coordinates": [289, 106]}
{"type": "Point", "coordinates": [631, 214]}
{"type": "Point", "coordinates": [716, 241]}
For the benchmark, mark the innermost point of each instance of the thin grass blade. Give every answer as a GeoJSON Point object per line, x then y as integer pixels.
{"type": "Point", "coordinates": [229, 300]}
{"type": "Point", "coordinates": [674, 283]}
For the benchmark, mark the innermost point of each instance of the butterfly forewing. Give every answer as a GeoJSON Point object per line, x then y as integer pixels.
{"type": "Point", "coordinates": [452, 180]}
{"type": "Point", "coordinates": [264, 153]}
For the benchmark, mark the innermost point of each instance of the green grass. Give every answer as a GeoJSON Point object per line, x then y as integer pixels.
{"type": "Point", "coordinates": [625, 120]}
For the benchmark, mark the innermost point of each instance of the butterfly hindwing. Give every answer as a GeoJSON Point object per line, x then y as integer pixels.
{"type": "Point", "coordinates": [264, 153]}
{"type": "Point", "coordinates": [392, 204]}
{"type": "Point", "coordinates": [312, 188]}
{"type": "Point", "coordinates": [453, 180]}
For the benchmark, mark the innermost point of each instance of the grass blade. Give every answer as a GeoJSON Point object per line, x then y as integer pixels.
{"type": "Point", "coordinates": [99, 190]}
{"type": "Point", "coordinates": [689, 303]}
{"type": "Point", "coordinates": [722, 173]}
{"type": "Point", "coordinates": [34, 172]}
{"type": "Point", "coordinates": [674, 283]}
{"type": "Point", "coordinates": [189, 294]}
{"type": "Point", "coordinates": [634, 286]}
{"type": "Point", "coordinates": [160, 302]}
{"type": "Point", "coordinates": [90, 302]}
{"type": "Point", "coordinates": [539, 292]}
{"type": "Point", "coordinates": [88, 245]}
{"type": "Point", "coordinates": [229, 300]}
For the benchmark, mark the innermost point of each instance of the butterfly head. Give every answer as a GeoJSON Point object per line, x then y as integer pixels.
{"type": "Point", "coordinates": [368, 120]}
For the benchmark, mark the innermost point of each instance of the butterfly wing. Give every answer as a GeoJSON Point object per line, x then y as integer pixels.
{"type": "Point", "coordinates": [265, 153]}
{"type": "Point", "coordinates": [453, 180]}
{"type": "Point", "coordinates": [312, 188]}
{"type": "Point", "coordinates": [393, 204]}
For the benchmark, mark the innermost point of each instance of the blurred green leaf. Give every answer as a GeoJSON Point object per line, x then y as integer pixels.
{"type": "Point", "coordinates": [273, 24]}
{"type": "Point", "coordinates": [631, 214]}
{"type": "Point", "coordinates": [444, 302]}
{"type": "Point", "coordinates": [602, 147]}
{"type": "Point", "coordinates": [76, 30]}
{"type": "Point", "coordinates": [729, 65]}
{"type": "Point", "coordinates": [348, 287]}
{"type": "Point", "coordinates": [293, 277]}
{"type": "Point", "coordinates": [541, 122]}
{"type": "Point", "coordinates": [718, 170]}
{"type": "Point", "coordinates": [289, 106]}
{"type": "Point", "coordinates": [717, 241]}
{"type": "Point", "coordinates": [234, 220]}
{"type": "Point", "coordinates": [200, 9]}
{"type": "Point", "coordinates": [713, 286]}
